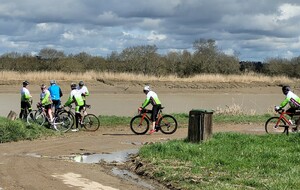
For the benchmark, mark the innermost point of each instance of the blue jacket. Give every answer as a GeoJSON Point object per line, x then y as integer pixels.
{"type": "Point", "coordinates": [55, 92]}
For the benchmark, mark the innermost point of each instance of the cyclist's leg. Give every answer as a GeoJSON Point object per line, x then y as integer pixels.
{"type": "Point", "coordinates": [28, 109]}
{"type": "Point", "coordinates": [23, 106]}
{"type": "Point", "coordinates": [155, 110]}
{"type": "Point", "coordinates": [56, 105]}
{"type": "Point", "coordinates": [48, 109]}
{"type": "Point", "coordinates": [77, 115]}
{"type": "Point", "coordinates": [84, 108]}
{"type": "Point", "coordinates": [292, 112]}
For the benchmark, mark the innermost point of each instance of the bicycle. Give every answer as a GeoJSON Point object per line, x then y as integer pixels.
{"type": "Point", "coordinates": [139, 124]}
{"type": "Point", "coordinates": [66, 111]}
{"type": "Point", "coordinates": [281, 124]}
{"type": "Point", "coordinates": [60, 122]}
{"type": "Point", "coordinates": [89, 122]}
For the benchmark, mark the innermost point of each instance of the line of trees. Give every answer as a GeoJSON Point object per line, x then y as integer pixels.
{"type": "Point", "coordinates": [206, 58]}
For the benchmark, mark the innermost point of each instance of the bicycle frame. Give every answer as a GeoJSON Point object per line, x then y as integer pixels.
{"type": "Point", "coordinates": [145, 115]}
{"type": "Point", "coordinates": [282, 116]}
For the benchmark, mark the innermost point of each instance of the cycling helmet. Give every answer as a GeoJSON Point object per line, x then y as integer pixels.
{"type": "Point", "coordinates": [285, 89]}
{"type": "Point", "coordinates": [43, 86]}
{"type": "Point", "coordinates": [146, 89]}
{"type": "Point", "coordinates": [52, 82]}
{"type": "Point", "coordinates": [81, 83]}
{"type": "Point", "coordinates": [25, 83]}
{"type": "Point", "coordinates": [73, 86]}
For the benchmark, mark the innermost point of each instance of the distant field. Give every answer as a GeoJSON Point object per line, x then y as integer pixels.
{"type": "Point", "coordinates": [92, 75]}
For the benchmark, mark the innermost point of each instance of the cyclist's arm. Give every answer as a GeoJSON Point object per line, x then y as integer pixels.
{"type": "Point", "coordinates": [27, 95]}
{"type": "Point", "coordinates": [46, 98]}
{"type": "Point", "coordinates": [284, 102]}
{"type": "Point", "coordinates": [69, 101]}
{"type": "Point", "coordinates": [86, 91]}
{"type": "Point", "coordinates": [146, 103]}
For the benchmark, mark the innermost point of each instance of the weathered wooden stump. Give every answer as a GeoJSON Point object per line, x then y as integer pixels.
{"type": "Point", "coordinates": [12, 115]}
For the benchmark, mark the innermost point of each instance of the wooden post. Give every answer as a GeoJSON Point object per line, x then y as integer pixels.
{"type": "Point", "coordinates": [12, 115]}
{"type": "Point", "coordinates": [200, 125]}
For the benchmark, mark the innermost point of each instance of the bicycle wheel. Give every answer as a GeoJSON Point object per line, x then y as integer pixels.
{"type": "Point", "coordinates": [167, 124]}
{"type": "Point", "coordinates": [62, 123]}
{"type": "Point", "coordinates": [31, 117]}
{"type": "Point", "coordinates": [138, 125]}
{"type": "Point", "coordinates": [90, 122]}
{"type": "Point", "coordinates": [40, 119]}
{"type": "Point", "coordinates": [67, 114]}
{"type": "Point", "coordinates": [273, 126]}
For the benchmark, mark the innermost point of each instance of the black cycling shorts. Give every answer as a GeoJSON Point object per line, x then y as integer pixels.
{"type": "Point", "coordinates": [155, 110]}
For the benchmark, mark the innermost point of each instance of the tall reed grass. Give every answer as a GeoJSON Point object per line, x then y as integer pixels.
{"type": "Point", "coordinates": [93, 75]}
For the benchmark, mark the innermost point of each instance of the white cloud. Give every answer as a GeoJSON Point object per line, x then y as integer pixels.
{"type": "Point", "coordinates": [68, 35]}
{"type": "Point", "coordinates": [287, 11]}
{"type": "Point", "coordinates": [154, 36]}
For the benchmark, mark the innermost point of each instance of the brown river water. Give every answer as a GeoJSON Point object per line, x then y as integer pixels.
{"type": "Point", "coordinates": [127, 104]}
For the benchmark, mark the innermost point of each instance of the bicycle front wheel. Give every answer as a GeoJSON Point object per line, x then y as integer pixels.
{"type": "Point", "coordinates": [91, 122]}
{"type": "Point", "coordinates": [62, 123]}
{"type": "Point", "coordinates": [139, 125]}
{"type": "Point", "coordinates": [36, 117]}
{"type": "Point", "coordinates": [275, 125]}
{"type": "Point", "coordinates": [66, 114]}
{"type": "Point", "coordinates": [31, 117]}
{"type": "Point", "coordinates": [167, 124]}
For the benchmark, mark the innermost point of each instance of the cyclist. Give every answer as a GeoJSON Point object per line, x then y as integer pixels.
{"type": "Point", "coordinates": [84, 93]}
{"type": "Point", "coordinates": [151, 97]}
{"type": "Point", "coordinates": [56, 94]}
{"type": "Point", "coordinates": [46, 102]}
{"type": "Point", "coordinates": [292, 99]}
{"type": "Point", "coordinates": [25, 100]}
{"type": "Point", "coordinates": [75, 97]}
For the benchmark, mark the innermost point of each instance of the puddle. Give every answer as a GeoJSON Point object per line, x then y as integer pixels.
{"type": "Point", "coordinates": [118, 157]}
{"type": "Point", "coordinates": [125, 174]}
{"type": "Point", "coordinates": [35, 155]}
{"type": "Point", "coordinates": [114, 157]}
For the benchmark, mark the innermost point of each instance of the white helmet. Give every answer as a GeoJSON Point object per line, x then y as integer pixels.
{"type": "Point", "coordinates": [147, 88]}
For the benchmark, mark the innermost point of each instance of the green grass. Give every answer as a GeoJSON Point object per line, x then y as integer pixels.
{"type": "Point", "coordinates": [114, 121]}
{"type": "Point", "coordinates": [18, 130]}
{"type": "Point", "coordinates": [183, 119]}
{"type": "Point", "coordinates": [227, 161]}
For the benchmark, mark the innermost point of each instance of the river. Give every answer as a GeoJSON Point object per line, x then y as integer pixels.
{"type": "Point", "coordinates": [127, 104]}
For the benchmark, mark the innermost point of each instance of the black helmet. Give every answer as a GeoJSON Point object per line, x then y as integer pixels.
{"type": "Point", "coordinates": [285, 89]}
{"type": "Point", "coordinates": [73, 86]}
{"type": "Point", "coordinates": [81, 83]}
{"type": "Point", "coordinates": [25, 83]}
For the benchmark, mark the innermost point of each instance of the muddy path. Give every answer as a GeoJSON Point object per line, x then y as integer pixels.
{"type": "Point", "coordinates": [48, 163]}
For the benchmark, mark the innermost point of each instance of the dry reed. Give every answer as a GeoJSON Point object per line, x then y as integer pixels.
{"type": "Point", "coordinates": [92, 75]}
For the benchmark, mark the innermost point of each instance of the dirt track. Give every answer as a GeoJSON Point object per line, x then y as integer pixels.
{"type": "Point", "coordinates": [44, 163]}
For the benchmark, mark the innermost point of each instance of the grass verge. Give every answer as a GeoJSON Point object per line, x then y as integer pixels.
{"type": "Point", "coordinates": [18, 130]}
{"type": "Point", "coordinates": [226, 161]}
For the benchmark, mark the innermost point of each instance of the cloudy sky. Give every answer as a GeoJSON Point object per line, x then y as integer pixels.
{"type": "Point", "coordinates": [252, 29]}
